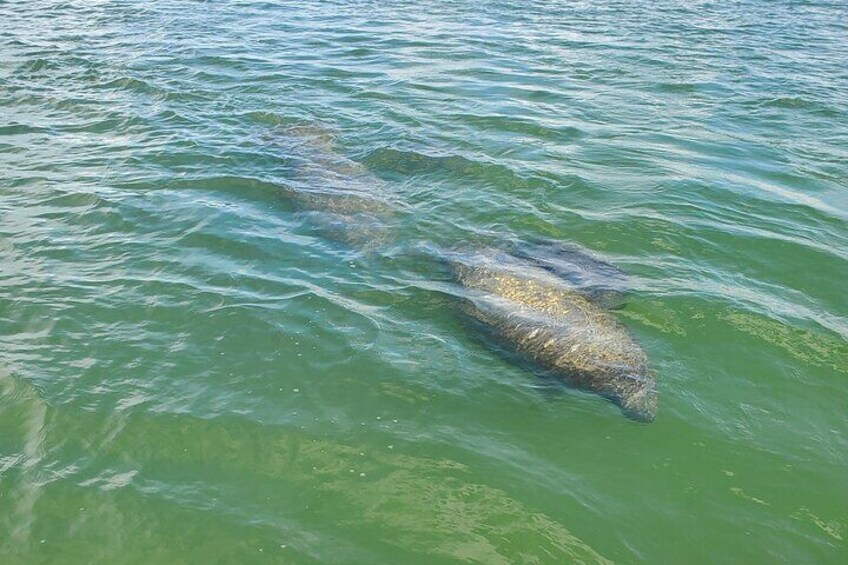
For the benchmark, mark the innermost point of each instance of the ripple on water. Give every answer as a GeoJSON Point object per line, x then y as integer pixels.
{"type": "Point", "coordinates": [196, 361]}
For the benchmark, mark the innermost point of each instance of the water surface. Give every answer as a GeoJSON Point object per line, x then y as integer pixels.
{"type": "Point", "coordinates": [193, 368]}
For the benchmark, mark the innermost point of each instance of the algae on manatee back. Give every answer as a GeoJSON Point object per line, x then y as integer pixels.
{"type": "Point", "coordinates": [557, 326]}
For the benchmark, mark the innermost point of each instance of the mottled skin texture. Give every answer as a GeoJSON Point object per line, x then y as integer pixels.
{"type": "Point", "coordinates": [560, 329]}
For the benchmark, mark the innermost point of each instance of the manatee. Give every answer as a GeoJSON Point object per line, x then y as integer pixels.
{"type": "Point", "coordinates": [351, 217]}
{"type": "Point", "coordinates": [547, 319]}
{"type": "Point", "coordinates": [340, 196]}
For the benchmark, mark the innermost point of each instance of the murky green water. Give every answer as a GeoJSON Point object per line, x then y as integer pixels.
{"type": "Point", "coordinates": [194, 368]}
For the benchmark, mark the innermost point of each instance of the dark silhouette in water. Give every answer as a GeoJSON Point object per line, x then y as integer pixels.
{"type": "Point", "coordinates": [603, 282]}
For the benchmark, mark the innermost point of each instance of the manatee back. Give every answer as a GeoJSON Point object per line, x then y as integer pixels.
{"type": "Point", "coordinates": [547, 318]}
{"type": "Point", "coordinates": [602, 281]}
{"type": "Point", "coordinates": [341, 198]}
{"type": "Point", "coordinates": [557, 327]}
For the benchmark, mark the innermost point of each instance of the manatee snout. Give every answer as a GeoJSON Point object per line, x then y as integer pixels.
{"type": "Point", "coordinates": [639, 400]}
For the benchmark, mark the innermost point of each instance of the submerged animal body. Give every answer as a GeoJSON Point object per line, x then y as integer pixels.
{"type": "Point", "coordinates": [545, 302]}
{"type": "Point", "coordinates": [340, 196]}
{"type": "Point", "coordinates": [557, 326]}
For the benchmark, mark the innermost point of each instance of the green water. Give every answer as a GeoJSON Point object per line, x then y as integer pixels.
{"type": "Point", "coordinates": [194, 370]}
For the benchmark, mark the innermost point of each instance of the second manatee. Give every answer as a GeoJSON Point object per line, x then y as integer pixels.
{"type": "Point", "coordinates": [557, 325]}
